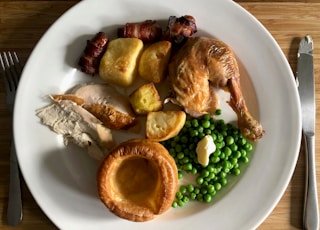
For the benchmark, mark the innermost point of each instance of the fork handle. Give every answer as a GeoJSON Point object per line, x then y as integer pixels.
{"type": "Point", "coordinates": [15, 201]}
{"type": "Point", "coordinates": [311, 211]}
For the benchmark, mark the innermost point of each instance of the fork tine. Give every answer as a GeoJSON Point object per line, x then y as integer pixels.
{"type": "Point", "coordinates": [4, 65]}
{"type": "Point", "coordinates": [16, 70]}
{"type": "Point", "coordinates": [14, 61]}
{"type": "Point", "coordinates": [11, 68]}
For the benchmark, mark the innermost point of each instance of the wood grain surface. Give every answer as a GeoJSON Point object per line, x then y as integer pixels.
{"type": "Point", "coordinates": [22, 23]}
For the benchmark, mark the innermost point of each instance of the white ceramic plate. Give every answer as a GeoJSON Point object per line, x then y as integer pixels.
{"type": "Point", "coordinates": [62, 179]}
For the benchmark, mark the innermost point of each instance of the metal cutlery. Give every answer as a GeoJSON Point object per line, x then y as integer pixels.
{"type": "Point", "coordinates": [306, 88]}
{"type": "Point", "coordinates": [11, 71]}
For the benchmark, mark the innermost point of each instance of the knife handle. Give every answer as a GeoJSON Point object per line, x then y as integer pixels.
{"type": "Point", "coordinates": [311, 211]}
{"type": "Point", "coordinates": [15, 201]}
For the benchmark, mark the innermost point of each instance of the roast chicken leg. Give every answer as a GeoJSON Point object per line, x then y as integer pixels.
{"type": "Point", "coordinates": [201, 65]}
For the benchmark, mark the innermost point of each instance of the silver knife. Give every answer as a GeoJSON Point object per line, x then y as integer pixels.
{"type": "Point", "coordinates": [306, 88]}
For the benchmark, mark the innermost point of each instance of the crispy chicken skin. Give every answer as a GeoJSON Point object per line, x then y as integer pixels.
{"type": "Point", "coordinates": [201, 65]}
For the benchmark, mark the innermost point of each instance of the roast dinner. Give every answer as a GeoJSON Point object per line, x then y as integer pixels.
{"type": "Point", "coordinates": [174, 102]}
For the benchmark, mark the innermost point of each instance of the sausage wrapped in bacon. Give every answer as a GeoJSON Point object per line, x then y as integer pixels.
{"type": "Point", "coordinates": [179, 29]}
{"type": "Point", "coordinates": [147, 31]}
{"type": "Point", "coordinates": [90, 59]}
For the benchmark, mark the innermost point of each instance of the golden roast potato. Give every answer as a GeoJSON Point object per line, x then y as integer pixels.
{"type": "Point", "coordinates": [119, 63]}
{"type": "Point", "coordinates": [154, 61]}
{"type": "Point", "coordinates": [163, 125]}
{"type": "Point", "coordinates": [145, 99]}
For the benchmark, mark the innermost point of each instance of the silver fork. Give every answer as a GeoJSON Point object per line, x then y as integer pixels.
{"type": "Point", "coordinates": [11, 71]}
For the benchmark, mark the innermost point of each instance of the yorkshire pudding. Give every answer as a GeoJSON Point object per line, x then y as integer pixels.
{"type": "Point", "coordinates": [138, 180]}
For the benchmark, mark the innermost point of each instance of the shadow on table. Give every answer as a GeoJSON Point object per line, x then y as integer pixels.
{"type": "Point", "coordinates": [297, 190]}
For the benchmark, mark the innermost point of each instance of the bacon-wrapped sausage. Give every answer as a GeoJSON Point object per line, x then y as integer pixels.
{"type": "Point", "coordinates": [147, 31]}
{"type": "Point", "coordinates": [95, 48]}
{"type": "Point", "coordinates": [180, 28]}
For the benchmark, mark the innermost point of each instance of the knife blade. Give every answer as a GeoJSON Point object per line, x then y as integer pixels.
{"type": "Point", "coordinates": [306, 88]}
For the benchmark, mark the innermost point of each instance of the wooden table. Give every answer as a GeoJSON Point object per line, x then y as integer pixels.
{"type": "Point", "coordinates": [22, 23]}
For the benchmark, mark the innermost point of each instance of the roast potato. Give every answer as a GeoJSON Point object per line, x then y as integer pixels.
{"type": "Point", "coordinates": [145, 99]}
{"type": "Point", "coordinates": [119, 63]}
{"type": "Point", "coordinates": [154, 61]}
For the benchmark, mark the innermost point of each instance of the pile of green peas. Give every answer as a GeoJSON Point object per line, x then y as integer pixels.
{"type": "Point", "coordinates": [231, 150]}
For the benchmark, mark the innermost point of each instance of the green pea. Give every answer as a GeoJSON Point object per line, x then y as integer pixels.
{"type": "Point", "coordinates": [180, 203]}
{"type": "Point", "coordinates": [188, 167]}
{"type": "Point", "coordinates": [195, 123]}
{"type": "Point", "coordinates": [217, 186]}
{"type": "Point", "coordinates": [179, 195]}
{"type": "Point", "coordinates": [173, 144]}
{"type": "Point", "coordinates": [207, 131]}
{"type": "Point", "coordinates": [242, 141]}
{"type": "Point", "coordinates": [210, 168]}
{"type": "Point", "coordinates": [180, 155]}
{"type": "Point", "coordinates": [196, 190]}
{"type": "Point", "coordinates": [229, 140]}
{"type": "Point", "coordinates": [207, 198]}
{"type": "Point", "coordinates": [200, 129]}
{"type": "Point", "coordinates": [216, 170]}
{"type": "Point", "coordinates": [193, 196]}
{"type": "Point", "coordinates": [211, 188]}
{"type": "Point", "coordinates": [206, 117]}
{"type": "Point", "coordinates": [227, 151]}
{"type": "Point", "coordinates": [172, 152]}
{"type": "Point", "coordinates": [203, 190]}
{"type": "Point", "coordinates": [200, 180]}
{"type": "Point", "coordinates": [233, 161]}
{"type": "Point", "coordinates": [218, 112]}
{"type": "Point", "coordinates": [187, 124]}
{"type": "Point", "coordinates": [185, 160]}
{"type": "Point", "coordinates": [236, 154]}
{"type": "Point", "coordinates": [217, 152]}
{"type": "Point", "coordinates": [219, 145]}
{"type": "Point", "coordinates": [243, 152]}
{"type": "Point", "coordinates": [234, 147]}
{"type": "Point", "coordinates": [194, 171]}
{"type": "Point", "coordinates": [219, 137]}
{"type": "Point", "coordinates": [206, 124]}
{"type": "Point", "coordinates": [248, 147]}
{"type": "Point", "coordinates": [176, 138]}
{"type": "Point", "coordinates": [190, 188]}
{"type": "Point", "coordinates": [214, 159]}
{"type": "Point", "coordinates": [213, 193]}
{"type": "Point", "coordinates": [222, 174]}
{"type": "Point", "coordinates": [194, 133]}
{"type": "Point", "coordinates": [192, 146]}
{"type": "Point", "coordinates": [178, 148]}
{"type": "Point", "coordinates": [211, 176]}
{"type": "Point", "coordinates": [183, 189]}
{"type": "Point", "coordinates": [199, 197]}
{"type": "Point", "coordinates": [185, 199]}
{"type": "Point", "coordinates": [184, 139]}
{"type": "Point", "coordinates": [236, 171]}
{"type": "Point", "coordinates": [223, 181]}
{"type": "Point", "coordinates": [245, 159]}
{"type": "Point", "coordinates": [205, 183]}
{"type": "Point", "coordinates": [205, 173]}
{"type": "Point", "coordinates": [174, 204]}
